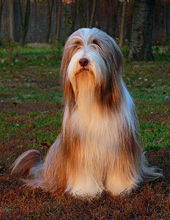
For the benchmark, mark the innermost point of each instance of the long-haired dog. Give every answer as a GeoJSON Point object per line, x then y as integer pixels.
{"type": "Point", "coordinates": [98, 147]}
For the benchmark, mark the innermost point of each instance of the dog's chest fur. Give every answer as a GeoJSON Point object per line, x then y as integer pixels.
{"type": "Point", "coordinates": [96, 129]}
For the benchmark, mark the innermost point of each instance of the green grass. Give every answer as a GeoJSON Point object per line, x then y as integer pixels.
{"type": "Point", "coordinates": [149, 86]}
{"type": "Point", "coordinates": [32, 54]}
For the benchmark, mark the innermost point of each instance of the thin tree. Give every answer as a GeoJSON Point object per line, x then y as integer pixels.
{"type": "Point", "coordinates": [59, 12]}
{"type": "Point", "coordinates": [24, 17]}
{"type": "Point", "coordinates": [93, 13]}
{"type": "Point", "coordinates": [11, 20]}
{"type": "Point", "coordinates": [148, 32]}
{"type": "Point", "coordinates": [109, 12]}
{"type": "Point", "coordinates": [122, 25]}
{"type": "Point", "coordinates": [87, 13]}
{"type": "Point", "coordinates": [50, 4]}
{"type": "Point", "coordinates": [1, 9]}
{"type": "Point", "coordinates": [82, 13]}
{"type": "Point", "coordinates": [141, 35]}
{"type": "Point", "coordinates": [74, 7]}
{"type": "Point", "coordinates": [166, 18]}
{"type": "Point", "coordinates": [114, 17]}
{"type": "Point", "coordinates": [166, 10]}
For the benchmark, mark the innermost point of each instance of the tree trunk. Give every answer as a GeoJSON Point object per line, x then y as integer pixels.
{"type": "Point", "coordinates": [129, 21]}
{"type": "Point", "coordinates": [141, 36]}
{"type": "Point", "coordinates": [109, 11]}
{"type": "Point", "coordinates": [87, 13]}
{"type": "Point", "coordinates": [74, 16]}
{"type": "Point", "coordinates": [92, 14]}
{"type": "Point", "coordinates": [35, 12]}
{"type": "Point", "coordinates": [82, 12]}
{"type": "Point", "coordinates": [24, 21]}
{"type": "Point", "coordinates": [59, 11]}
{"type": "Point", "coordinates": [48, 21]}
{"type": "Point", "coordinates": [113, 16]}
{"type": "Point", "coordinates": [1, 9]}
{"type": "Point", "coordinates": [122, 25]}
{"type": "Point", "coordinates": [49, 16]}
{"type": "Point", "coordinates": [167, 20]}
{"type": "Point", "coordinates": [118, 21]}
{"type": "Point", "coordinates": [148, 33]}
{"type": "Point", "coordinates": [11, 20]}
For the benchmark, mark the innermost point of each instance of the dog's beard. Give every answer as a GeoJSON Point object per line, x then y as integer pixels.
{"type": "Point", "coordinates": [86, 105]}
{"type": "Point", "coordinates": [84, 88]}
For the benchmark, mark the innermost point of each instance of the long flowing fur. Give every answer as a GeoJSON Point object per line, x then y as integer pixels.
{"type": "Point", "coordinates": [98, 147]}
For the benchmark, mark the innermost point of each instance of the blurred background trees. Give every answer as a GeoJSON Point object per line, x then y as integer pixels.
{"type": "Point", "coordinates": [141, 34]}
{"type": "Point", "coordinates": [136, 24]}
{"type": "Point", "coordinates": [24, 19]}
{"type": "Point", "coordinates": [1, 9]}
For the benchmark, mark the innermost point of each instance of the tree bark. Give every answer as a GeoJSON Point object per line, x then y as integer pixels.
{"type": "Point", "coordinates": [74, 16]}
{"type": "Point", "coordinates": [82, 12]}
{"type": "Point", "coordinates": [24, 21]}
{"type": "Point", "coordinates": [1, 9]}
{"type": "Point", "coordinates": [122, 25]}
{"type": "Point", "coordinates": [59, 11]}
{"type": "Point", "coordinates": [11, 20]}
{"type": "Point", "coordinates": [148, 33]}
{"type": "Point", "coordinates": [167, 20]}
{"type": "Point", "coordinates": [49, 16]}
{"type": "Point", "coordinates": [141, 36]}
{"type": "Point", "coordinates": [92, 14]}
{"type": "Point", "coordinates": [129, 21]}
{"type": "Point", "coordinates": [87, 13]}
{"type": "Point", "coordinates": [114, 16]}
{"type": "Point", "coordinates": [109, 11]}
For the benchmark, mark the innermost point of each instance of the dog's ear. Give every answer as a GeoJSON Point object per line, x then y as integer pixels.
{"type": "Point", "coordinates": [64, 63]}
{"type": "Point", "coordinates": [109, 92]}
{"type": "Point", "coordinates": [109, 95]}
{"type": "Point", "coordinates": [67, 87]}
{"type": "Point", "coordinates": [116, 56]}
{"type": "Point", "coordinates": [68, 92]}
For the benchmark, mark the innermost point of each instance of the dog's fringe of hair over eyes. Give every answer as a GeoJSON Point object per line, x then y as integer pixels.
{"type": "Point", "coordinates": [98, 147]}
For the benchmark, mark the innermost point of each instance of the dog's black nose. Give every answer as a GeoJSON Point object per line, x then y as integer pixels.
{"type": "Point", "coordinates": [83, 62]}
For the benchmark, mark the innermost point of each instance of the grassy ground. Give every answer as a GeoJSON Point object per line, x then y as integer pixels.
{"type": "Point", "coordinates": [30, 117]}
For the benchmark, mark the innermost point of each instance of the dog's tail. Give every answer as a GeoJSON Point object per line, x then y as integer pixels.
{"type": "Point", "coordinates": [27, 163]}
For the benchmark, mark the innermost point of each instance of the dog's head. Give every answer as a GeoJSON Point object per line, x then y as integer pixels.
{"type": "Point", "coordinates": [92, 57]}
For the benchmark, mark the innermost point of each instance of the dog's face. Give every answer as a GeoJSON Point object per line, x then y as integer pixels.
{"type": "Point", "coordinates": [94, 53]}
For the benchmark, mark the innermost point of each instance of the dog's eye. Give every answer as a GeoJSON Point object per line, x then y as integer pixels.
{"type": "Point", "coordinates": [96, 42]}
{"type": "Point", "coordinates": [77, 43]}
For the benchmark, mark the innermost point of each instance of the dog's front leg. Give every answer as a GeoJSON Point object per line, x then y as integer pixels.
{"type": "Point", "coordinates": [118, 182]}
{"type": "Point", "coordinates": [83, 184]}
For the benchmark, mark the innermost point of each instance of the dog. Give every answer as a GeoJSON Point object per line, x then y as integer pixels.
{"type": "Point", "coordinates": [98, 147]}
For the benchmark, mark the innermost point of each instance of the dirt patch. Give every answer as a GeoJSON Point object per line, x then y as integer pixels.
{"type": "Point", "coordinates": [161, 117]}
{"type": "Point", "coordinates": [24, 108]}
{"type": "Point", "coordinates": [37, 82]}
